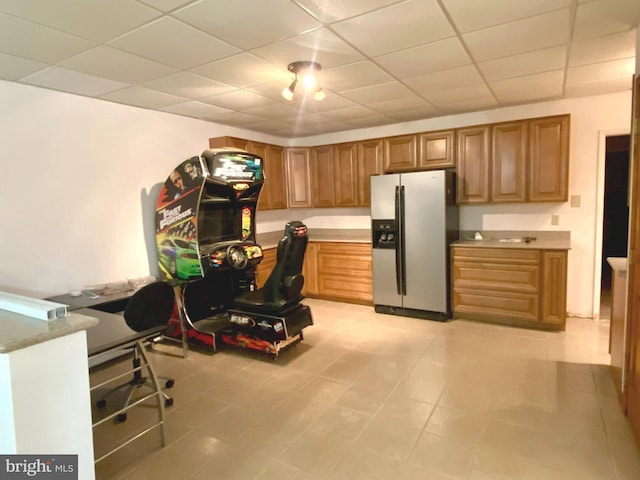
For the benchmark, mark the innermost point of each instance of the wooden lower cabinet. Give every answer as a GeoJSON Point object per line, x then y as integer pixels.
{"type": "Point", "coordinates": [265, 266]}
{"type": "Point", "coordinates": [509, 285]}
{"type": "Point", "coordinates": [336, 271]}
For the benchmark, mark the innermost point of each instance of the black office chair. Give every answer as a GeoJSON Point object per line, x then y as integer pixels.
{"type": "Point", "coordinates": [148, 311]}
{"type": "Point", "coordinates": [282, 288]}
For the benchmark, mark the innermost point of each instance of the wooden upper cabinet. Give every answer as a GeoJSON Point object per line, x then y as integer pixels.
{"type": "Point", "coordinates": [400, 153]}
{"type": "Point", "coordinates": [323, 176]}
{"type": "Point", "coordinates": [345, 173]}
{"type": "Point", "coordinates": [436, 150]}
{"type": "Point", "coordinates": [221, 142]}
{"type": "Point", "coordinates": [274, 191]}
{"type": "Point", "coordinates": [299, 171]}
{"type": "Point", "coordinates": [369, 163]}
{"type": "Point", "coordinates": [549, 159]}
{"type": "Point", "coordinates": [508, 162]}
{"type": "Point", "coordinates": [472, 180]}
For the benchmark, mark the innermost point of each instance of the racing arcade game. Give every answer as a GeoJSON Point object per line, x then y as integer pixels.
{"type": "Point", "coordinates": [206, 239]}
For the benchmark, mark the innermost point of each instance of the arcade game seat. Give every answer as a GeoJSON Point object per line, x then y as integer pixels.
{"type": "Point", "coordinates": [272, 317]}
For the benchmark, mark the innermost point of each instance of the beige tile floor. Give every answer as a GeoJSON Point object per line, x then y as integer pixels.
{"type": "Point", "coordinates": [370, 396]}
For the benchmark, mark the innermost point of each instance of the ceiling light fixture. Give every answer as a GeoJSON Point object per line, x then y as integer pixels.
{"type": "Point", "coordinates": [305, 73]}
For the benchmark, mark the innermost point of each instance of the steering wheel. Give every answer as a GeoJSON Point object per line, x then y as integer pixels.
{"type": "Point", "coordinates": [237, 257]}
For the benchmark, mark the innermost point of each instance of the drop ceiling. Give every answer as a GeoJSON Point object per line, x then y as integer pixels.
{"type": "Point", "coordinates": [383, 61]}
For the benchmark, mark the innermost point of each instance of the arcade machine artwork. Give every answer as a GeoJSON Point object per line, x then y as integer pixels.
{"type": "Point", "coordinates": [205, 236]}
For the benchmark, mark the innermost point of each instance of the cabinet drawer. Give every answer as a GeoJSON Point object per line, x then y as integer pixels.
{"type": "Point", "coordinates": [518, 278]}
{"type": "Point", "coordinates": [517, 256]}
{"type": "Point", "coordinates": [510, 305]}
{"type": "Point", "coordinates": [347, 288]}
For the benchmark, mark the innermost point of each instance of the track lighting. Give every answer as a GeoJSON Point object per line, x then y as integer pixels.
{"type": "Point", "coordinates": [305, 73]}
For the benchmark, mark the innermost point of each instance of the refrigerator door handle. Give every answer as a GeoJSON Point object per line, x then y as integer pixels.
{"type": "Point", "coordinates": [403, 250]}
{"type": "Point", "coordinates": [399, 270]}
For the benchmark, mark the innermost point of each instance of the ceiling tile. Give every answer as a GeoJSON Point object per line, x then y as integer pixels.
{"type": "Point", "coordinates": [601, 49]}
{"type": "Point", "coordinates": [188, 85]}
{"type": "Point", "coordinates": [369, 121]}
{"type": "Point", "coordinates": [354, 75]}
{"type": "Point", "coordinates": [441, 55]}
{"type": "Point", "coordinates": [14, 68]}
{"type": "Point", "coordinates": [322, 46]}
{"type": "Point", "coordinates": [537, 61]}
{"type": "Point", "coordinates": [459, 95]}
{"type": "Point", "coordinates": [522, 36]}
{"type": "Point", "coordinates": [166, 5]}
{"type": "Point", "coordinates": [598, 87]}
{"type": "Point", "coordinates": [348, 114]}
{"type": "Point", "coordinates": [412, 114]}
{"type": "Point", "coordinates": [399, 105]}
{"type": "Point", "coordinates": [36, 42]}
{"type": "Point", "coordinates": [143, 97]}
{"type": "Point", "coordinates": [469, 16]}
{"type": "Point", "coordinates": [157, 41]}
{"type": "Point", "coordinates": [332, 101]}
{"type": "Point", "coordinates": [235, 118]}
{"type": "Point", "coordinates": [445, 79]}
{"type": "Point", "coordinates": [602, 17]}
{"type": "Point", "coordinates": [73, 82]}
{"type": "Point", "coordinates": [247, 23]}
{"type": "Point", "coordinates": [194, 109]}
{"type": "Point", "coordinates": [330, 11]}
{"type": "Point", "coordinates": [277, 111]}
{"type": "Point", "coordinates": [96, 20]}
{"type": "Point", "coordinates": [116, 65]}
{"type": "Point", "coordinates": [243, 70]}
{"type": "Point", "coordinates": [238, 100]}
{"type": "Point", "coordinates": [540, 86]}
{"type": "Point", "coordinates": [622, 68]}
{"type": "Point", "coordinates": [272, 90]}
{"type": "Point", "coordinates": [415, 22]}
{"type": "Point", "coordinates": [474, 105]}
{"type": "Point", "coordinates": [378, 93]}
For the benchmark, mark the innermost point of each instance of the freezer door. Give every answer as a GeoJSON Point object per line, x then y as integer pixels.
{"type": "Point", "coordinates": [383, 188]}
{"type": "Point", "coordinates": [386, 275]}
{"type": "Point", "coordinates": [425, 240]}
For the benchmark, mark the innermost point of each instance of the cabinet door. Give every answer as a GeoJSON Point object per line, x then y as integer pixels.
{"type": "Point", "coordinates": [549, 159]}
{"type": "Point", "coordinates": [299, 177]}
{"type": "Point", "coordinates": [400, 153]}
{"type": "Point", "coordinates": [221, 142]}
{"type": "Point", "coordinates": [264, 268]}
{"type": "Point", "coordinates": [345, 174]}
{"type": "Point", "coordinates": [310, 270]}
{"type": "Point", "coordinates": [508, 162]}
{"type": "Point", "coordinates": [323, 177]}
{"type": "Point", "coordinates": [369, 163]}
{"type": "Point", "coordinates": [274, 193]}
{"type": "Point", "coordinates": [472, 181]}
{"type": "Point", "coordinates": [554, 291]}
{"type": "Point", "coordinates": [436, 150]}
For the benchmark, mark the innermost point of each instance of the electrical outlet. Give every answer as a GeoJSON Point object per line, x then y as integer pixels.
{"type": "Point", "coordinates": [555, 219]}
{"type": "Point", "coordinates": [575, 201]}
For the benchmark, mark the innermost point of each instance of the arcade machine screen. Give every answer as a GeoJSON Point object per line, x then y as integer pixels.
{"type": "Point", "coordinates": [218, 222]}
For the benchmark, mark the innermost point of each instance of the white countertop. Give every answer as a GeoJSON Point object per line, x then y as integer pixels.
{"type": "Point", "coordinates": [19, 331]}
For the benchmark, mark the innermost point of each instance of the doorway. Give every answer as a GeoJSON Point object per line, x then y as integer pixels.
{"type": "Point", "coordinates": [615, 218]}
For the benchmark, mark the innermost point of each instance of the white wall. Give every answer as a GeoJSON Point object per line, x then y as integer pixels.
{"type": "Point", "coordinates": [78, 171]}
{"type": "Point", "coordinates": [76, 174]}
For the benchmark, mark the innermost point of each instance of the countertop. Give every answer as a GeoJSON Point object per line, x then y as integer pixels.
{"type": "Point", "coordinates": [359, 235]}
{"type": "Point", "coordinates": [544, 240]}
{"type": "Point", "coordinates": [618, 264]}
{"type": "Point", "coordinates": [19, 331]}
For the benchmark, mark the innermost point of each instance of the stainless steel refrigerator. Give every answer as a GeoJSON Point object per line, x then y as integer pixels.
{"type": "Point", "coordinates": [414, 218]}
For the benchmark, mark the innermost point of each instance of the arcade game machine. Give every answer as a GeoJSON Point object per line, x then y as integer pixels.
{"type": "Point", "coordinates": [206, 240]}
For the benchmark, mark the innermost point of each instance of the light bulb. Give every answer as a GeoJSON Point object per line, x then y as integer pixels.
{"type": "Point", "coordinates": [319, 94]}
{"type": "Point", "coordinates": [287, 93]}
{"type": "Point", "coordinates": [309, 81]}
